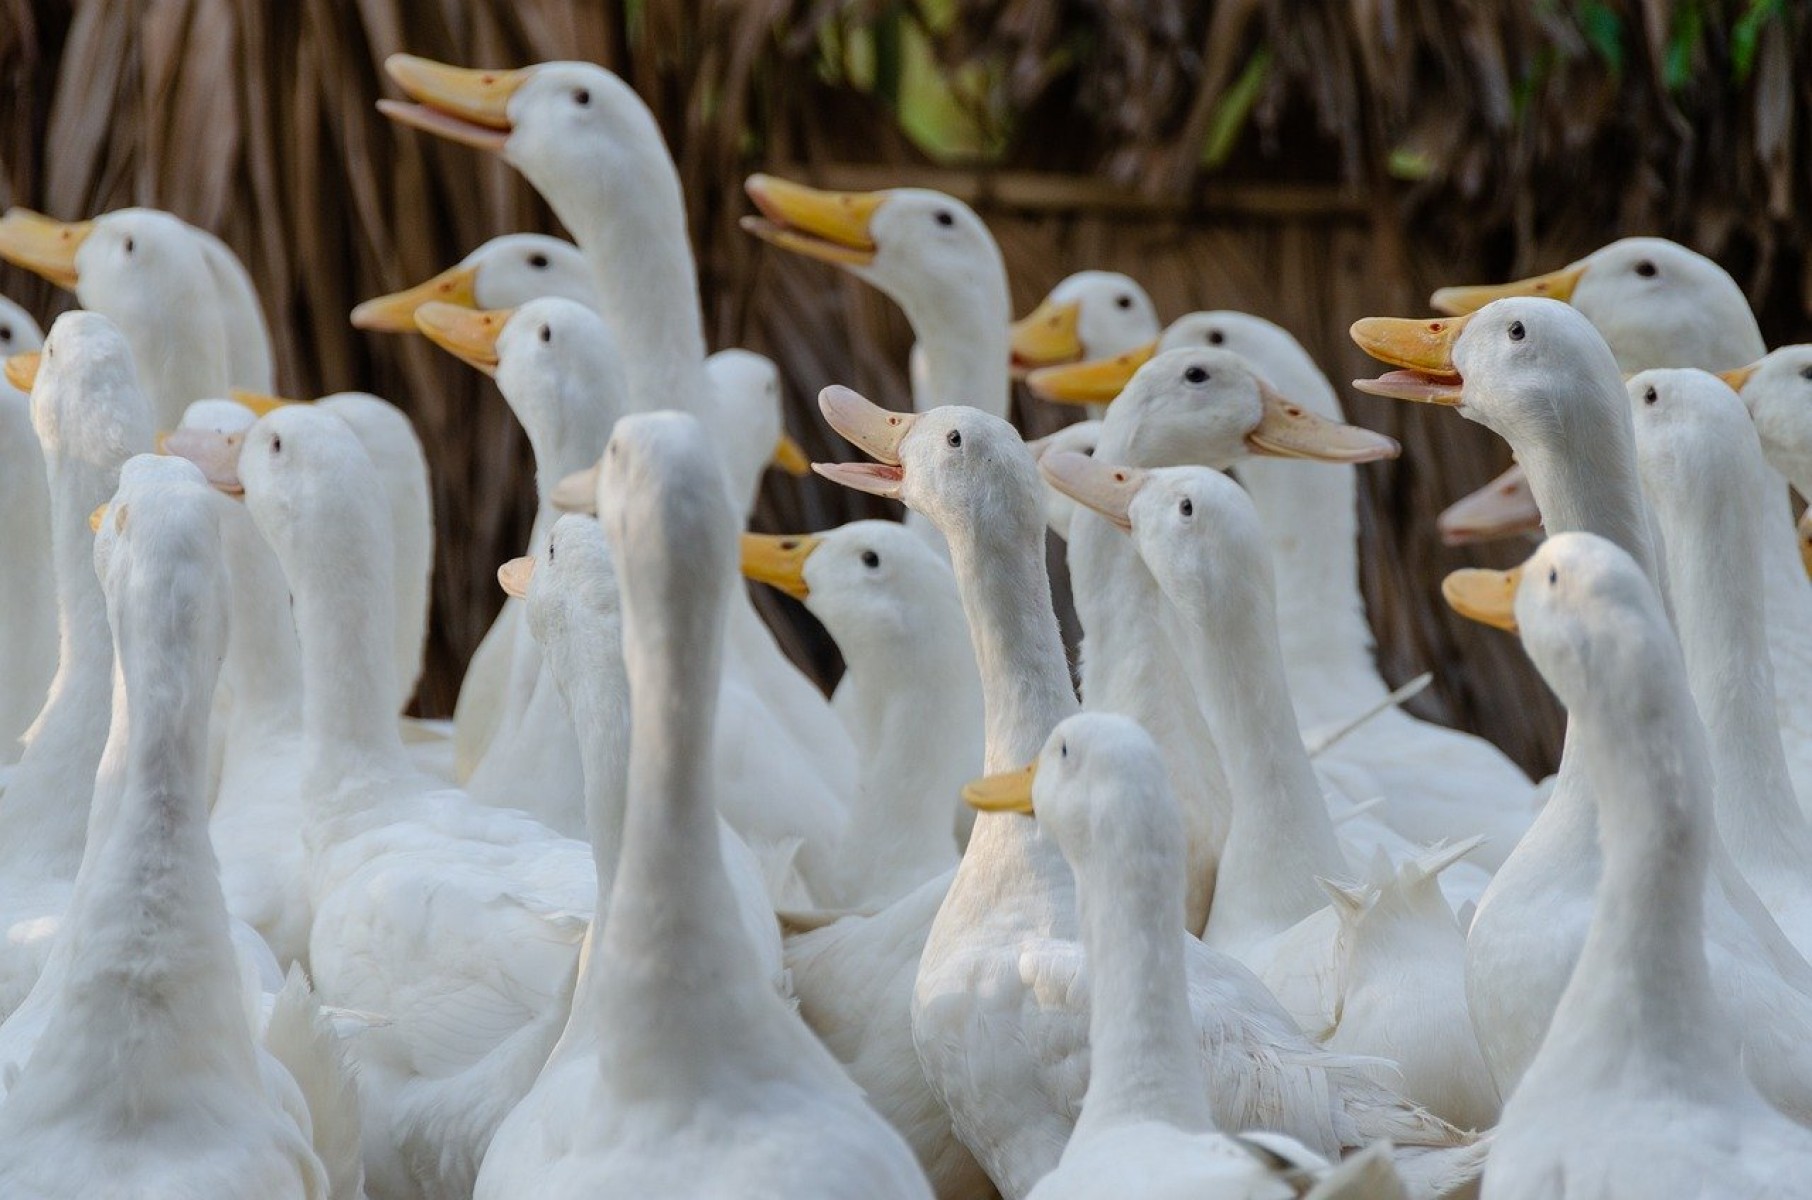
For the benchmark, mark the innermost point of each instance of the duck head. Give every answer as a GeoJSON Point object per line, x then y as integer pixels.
{"type": "Point", "coordinates": [869, 582]}
{"type": "Point", "coordinates": [505, 272]}
{"type": "Point", "coordinates": [1091, 315]}
{"type": "Point", "coordinates": [1777, 390]}
{"type": "Point", "coordinates": [86, 403]}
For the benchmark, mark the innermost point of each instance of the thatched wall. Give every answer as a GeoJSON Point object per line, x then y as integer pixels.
{"type": "Point", "coordinates": [1357, 155]}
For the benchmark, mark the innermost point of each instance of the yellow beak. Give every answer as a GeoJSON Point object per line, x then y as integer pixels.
{"type": "Point", "coordinates": [468, 106]}
{"type": "Point", "coordinates": [470, 334]}
{"type": "Point", "coordinates": [1048, 335]}
{"type": "Point", "coordinates": [22, 369]}
{"type": "Point", "coordinates": [791, 457]}
{"type": "Point", "coordinates": [1422, 349]}
{"type": "Point", "coordinates": [1096, 382]}
{"type": "Point", "coordinates": [1288, 430]}
{"type": "Point", "coordinates": [1555, 285]}
{"type": "Point", "coordinates": [1738, 378]}
{"type": "Point", "coordinates": [779, 560]}
{"type": "Point", "coordinates": [1009, 791]}
{"type": "Point", "coordinates": [1488, 597]}
{"type": "Point", "coordinates": [833, 227]}
{"type": "Point", "coordinates": [395, 313]}
{"type": "Point", "coordinates": [514, 576]}
{"type": "Point", "coordinates": [1105, 489]}
{"type": "Point", "coordinates": [42, 245]}
{"type": "Point", "coordinates": [96, 517]}
{"type": "Point", "coordinates": [260, 403]}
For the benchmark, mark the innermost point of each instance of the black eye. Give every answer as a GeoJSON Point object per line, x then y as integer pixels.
{"type": "Point", "coordinates": [1123, 300]}
{"type": "Point", "coordinates": [537, 261]}
{"type": "Point", "coordinates": [1216, 337]}
{"type": "Point", "coordinates": [1805, 372]}
{"type": "Point", "coordinates": [1516, 331]}
{"type": "Point", "coordinates": [1649, 396]}
{"type": "Point", "coordinates": [6, 333]}
{"type": "Point", "coordinates": [1186, 507]}
{"type": "Point", "coordinates": [954, 437]}
{"type": "Point", "coordinates": [1196, 375]}
{"type": "Point", "coordinates": [130, 245]}
{"type": "Point", "coordinates": [945, 217]}
{"type": "Point", "coordinates": [1646, 269]}
{"type": "Point", "coordinates": [870, 559]}
{"type": "Point", "coordinates": [547, 333]}
{"type": "Point", "coordinates": [276, 443]}
{"type": "Point", "coordinates": [1553, 576]}
{"type": "Point", "coordinates": [1063, 749]}
{"type": "Point", "coordinates": [581, 97]}
{"type": "Point", "coordinates": [550, 552]}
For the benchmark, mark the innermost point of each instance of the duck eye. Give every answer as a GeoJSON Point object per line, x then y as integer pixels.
{"type": "Point", "coordinates": [1196, 375]}
{"type": "Point", "coordinates": [1805, 372]}
{"type": "Point", "coordinates": [550, 552]}
{"type": "Point", "coordinates": [1516, 331]}
{"type": "Point", "coordinates": [1063, 749]}
{"type": "Point", "coordinates": [1646, 269]}
{"type": "Point", "coordinates": [582, 97]}
{"type": "Point", "coordinates": [954, 437]}
{"type": "Point", "coordinates": [276, 443]}
{"type": "Point", "coordinates": [547, 333]}
{"type": "Point", "coordinates": [6, 333]}
{"type": "Point", "coordinates": [1123, 300]}
{"type": "Point", "coordinates": [870, 559]}
{"type": "Point", "coordinates": [1553, 576]}
{"type": "Point", "coordinates": [1186, 507]}
{"type": "Point", "coordinates": [1649, 395]}
{"type": "Point", "coordinates": [537, 261]}
{"type": "Point", "coordinates": [130, 245]}
{"type": "Point", "coordinates": [1216, 337]}
{"type": "Point", "coordinates": [945, 217]}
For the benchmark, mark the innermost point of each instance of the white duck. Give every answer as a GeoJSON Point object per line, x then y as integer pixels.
{"type": "Point", "coordinates": [1640, 1051]}
{"type": "Point", "coordinates": [914, 696]}
{"type": "Point", "coordinates": [1536, 372]}
{"type": "Point", "coordinates": [560, 371]}
{"type": "Point", "coordinates": [1200, 538]}
{"type": "Point", "coordinates": [147, 1079]}
{"type": "Point", "coordinates": [1703, 471]}
{"type": "Point", "coordinates": [1088, 316]}
{"type": "Point", "coordinates": [1000, 1003]}
{"type": "Point", "coordinates": [28, 656]}
{"type": "Point", "coordinates": [458, 921]}
{"type": "Point", "coordinates": [1436, 783]}
{"type": "Point", "coordinates": [1101, 789]}
{"type": "Point", "coordinates": [589, 145]}
{"type": "Point", "coordinates": [662, 1085]}
{"type": "Point", "coordinates": [90, 417]}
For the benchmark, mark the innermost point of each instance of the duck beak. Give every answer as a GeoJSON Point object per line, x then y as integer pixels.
{"type": "Point", "coordinates": [1422, 349]}
{"type": "Point", "coordinates": [1288, 430]}
{"type": "Point", "coordinates": [1007, 792]}
{"type": "Point", "coordinates": [469, 334]}
{"type": "Point", "coordinates": [96, 517]}
{"type": "Point", "coordinates": [1805, 540]}
{"type": "Point", "coordinates": [1488, 597]}
{"type": "Point", "coordinates": [578, 492]}
{"type": "Point", "coordinates": [1048, 335]}
{"type": "Point", "coordinates": [1096, 382]}
{"type": "Point", "coordinates": [1738, 378]}
{"type": "Point", "coordinates": [791, 457]}
{"type": "Point", "coordinates": [1105, 489]}
{"type": "Point", "coordinates": [22, 369]}
{"type": "Point", "coordinates": [44, 246]}
{"type": "Point", "coordinates": [514, 576]}
{"type": "Point", "coordinates": [1502, 508]}
{"type": "Point", "coordinates": [779, 561]}
{"type": "Point", "coordinates": [1555, 285]}
{"type": "Point", "coordinates": [395, 313]}
{"type": "Point", "coordinates": [259, 402]}
{"type": "Point", "coordinates": [874, 430]}
{"type": "Point", "coordinates": [833, 227]}
{"type": "Point", "coordinates": [462, 105]}
{"type": "Point", "coordinates": [217, 454]}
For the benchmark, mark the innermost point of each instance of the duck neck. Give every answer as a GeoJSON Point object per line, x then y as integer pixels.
{"type": "Point", "coordinates": [589, 673]}
{"type": "Point", "coordinates": [1280, 837]}
{"type": "Point", "coordinates": [571, 441]}
{"type": "Point", "coordinates": [1144, 1059]}
{"type": "Point", "coordinates": [263, 666]}
{"type": "Point", "coordinates": [964, 341]}
{"type": "Point", "coordinates": [28, 585]}
{"type": "Point", "coordinates": [1597, 492]}
{"type": "Point", "coordinates": [1712, 529]}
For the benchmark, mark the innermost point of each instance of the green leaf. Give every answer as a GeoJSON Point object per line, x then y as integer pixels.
{"type": "Point", "coordinates": [1747, 33]}
{"type": "Point", "coordinates": [1233, 108]}
{"type": "Point", "coordinates": [1683, 45]}
{"type": "Point", "coordinates": [1603, 29]}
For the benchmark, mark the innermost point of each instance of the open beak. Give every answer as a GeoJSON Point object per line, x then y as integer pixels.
{"type": "Point", "coordinates": [22, 369]}
{"type": "Point", "coordinates": [395, 313]}
{"type": "Point", "coordinates": [1106, 489]}
{"type": "Point", "coordinates": [791, 457]}
{"type": "Point", "coordinates": [259, 402]}
{"type": "Point", "coordinates": [1288, 430]}
{"type": "Point", "coordinates": [1423, 352]}
{"type": "Point", "coordinates": [217, 454]}
{"type": "Point", "coordinates": [470, 334]}
{"type": "Point", "coordinates": [874, 430]}
{"type": "Point", "coordinates": [1047, 336]}
{"type": "Point", "coordinates": [44, 246]}
{"type": "Point", "coordinates": [1502, 508]}
{"type": "Point", "coordinates": [834, 227]}
{"type": "Point", "coordinates": [457, 103]}
{"type": "Point", "coordinates": [514, 576]}
{"type": "Point", "coordinates": [1488, 597]}
{"type": "Point", "coordinates": [1738, 378]}
{"type": "Point", "coordinates": [1009, 791]}
{"type": "Point", "coordinates": [1096, 382]}
{"type": "Point", "coordinates": [1555, 285]}
{"type": "Point", "coordinates": [578, 492]}
{"type": "Point", "coordinates": [779, 560]}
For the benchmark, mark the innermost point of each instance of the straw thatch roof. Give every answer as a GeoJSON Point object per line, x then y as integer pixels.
{"type": "Point", "coordinates": [1307, 161]}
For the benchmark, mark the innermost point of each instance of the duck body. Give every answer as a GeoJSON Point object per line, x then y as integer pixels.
{"type": "Point", "coordinates": [28, 655]}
